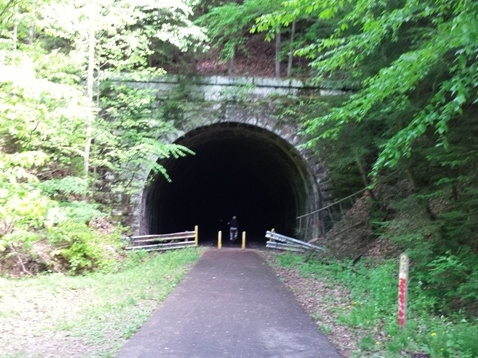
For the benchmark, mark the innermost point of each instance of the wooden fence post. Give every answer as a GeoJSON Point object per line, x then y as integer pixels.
{"type": "Point", "coordinates": [403, 290]}
{"type": "Point", "coordinates": [196, 236]}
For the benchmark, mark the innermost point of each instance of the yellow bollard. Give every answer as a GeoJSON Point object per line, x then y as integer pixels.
{"type": "Point", "coordinates": [196, 236]}
{"type": "Point", "coordinates": [219, 239]}
{"type": "Point", "coordinates": [243, 240]}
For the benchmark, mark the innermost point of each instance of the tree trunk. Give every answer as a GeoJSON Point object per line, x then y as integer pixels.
{"type": "Point", "coordinates": [230, 62]}
{"type": "Point", "coordinates": [89, 93]}
{"type": "Point", "coordinates": [277, 61]}
{"type": "Point", "coordinates": [15, 30]}
{"type": "Point", "coordinates": [32, 25]}
{"type": "Point", "coordinates": [411, 179]}
{"type": "Point", "coordinates": [423, 201]}
{"type": "Point", "coordinates": [289, 62]}
{"type": "Point", "coordinates": [363, 174]}
{"type": "Point", "coordinates": [15, 36]}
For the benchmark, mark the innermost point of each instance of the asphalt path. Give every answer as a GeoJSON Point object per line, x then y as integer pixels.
{"type": "Point", "coordinates": [230, 304]}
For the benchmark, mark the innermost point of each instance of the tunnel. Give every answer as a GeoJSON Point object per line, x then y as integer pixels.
{"type": "Point", "coordinates": [237, 170]}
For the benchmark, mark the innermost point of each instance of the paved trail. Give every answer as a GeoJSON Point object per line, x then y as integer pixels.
{"type": "Point", "coordinates": [231, 304]}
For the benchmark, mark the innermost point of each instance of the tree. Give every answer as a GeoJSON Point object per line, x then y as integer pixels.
{"type": "Point", "coordinates": [120, 36]}
{"type": "Point", "coordinates": [46, 118]}
{"type": "Point", "coordinates": [42, 134]}
{"type": "Point", "coordinates": [135, 114]}
{"type": "Point", "coordinates": [412, 66]}
{"type": "Point", "coordinates": [230, 24]}
{"type": "Point", "coordinates": [428, 36]}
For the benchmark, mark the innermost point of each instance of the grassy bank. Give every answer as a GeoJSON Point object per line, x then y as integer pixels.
{"type": "Point", "coordinates": [357, 308]}
{"type": "Point", "coordinates": [87, 316]}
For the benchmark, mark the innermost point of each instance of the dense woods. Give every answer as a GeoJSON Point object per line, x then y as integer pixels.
{"type": "Point", "coordinates": [410, 121]}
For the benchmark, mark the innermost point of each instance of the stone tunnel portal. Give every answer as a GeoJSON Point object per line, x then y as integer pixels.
{"type": "Point", "coordinates": [237, 169]}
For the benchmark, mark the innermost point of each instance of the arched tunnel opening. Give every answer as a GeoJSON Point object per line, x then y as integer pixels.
{"type": "Point", "coordinates": [237, 169]}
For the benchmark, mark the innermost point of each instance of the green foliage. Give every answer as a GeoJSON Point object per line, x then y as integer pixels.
{"type": "Point", "coordinates": [371, 303]}
{"type": "Point", "coordinates": [41, 126]}
{"type": "Point", "coordinates": [128, 35]}
{"type": "Point", "coordinates": [347, 159]}
{"type": "Point", "coordinates": [47, 123]}
{"type": "Point", "coordinates": [411, 119]}
{"type": "Point", "coordinates": [21, 206]}
{"type": "Point", "coordinates": [444, 264]}
{"type": "Point", "coordinates": [39, 115]}
{"type": "Point", "coordinates": [65, 186]}
{"type": "Point", "coordinates": [421, 47]}
{"type": "Point", "coordinates": [79, 248]}
{"type": "Point", "coordinates": [228, 24]}
{"type": "Point", "coordinates": [453, 277]}
{"type": "Point", "coordinates": [81, 211]}
{"type": "Point", "coordinates": [415, 65]}
{"type": "Point", "coordinates": [135, 115]}
{"type": "Point", "coordinates": [27, 216]}
{"type": "Point", "coordinates": [80, 251]}
{"type": "Point", "coordinates": [443, 338]}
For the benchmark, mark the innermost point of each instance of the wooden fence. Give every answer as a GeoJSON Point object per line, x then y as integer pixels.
{"type": "Point", "coordinates": [281, 242]}
{"type": "Point", "coordinates": [163, 242]}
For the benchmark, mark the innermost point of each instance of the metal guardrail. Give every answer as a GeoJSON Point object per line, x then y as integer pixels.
{"type": "Point", "coordinates": [318, 222]}
{"type": "Point", "coordinates": [163, 242]}
{"type": "Point", "coordinates": [281, 242]}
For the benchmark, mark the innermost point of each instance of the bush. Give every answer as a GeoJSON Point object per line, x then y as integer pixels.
{"type": "Point", "coordinates": [372, 305]}
{"type": "Point", "coordinates": [80, 248]}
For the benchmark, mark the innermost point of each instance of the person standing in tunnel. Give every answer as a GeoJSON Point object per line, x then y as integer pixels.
{"type": "Point", "coordinates": [233, 228]}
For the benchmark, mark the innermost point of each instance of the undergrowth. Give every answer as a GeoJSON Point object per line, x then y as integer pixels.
{"type": "Point", "coordinates": [373, 292]}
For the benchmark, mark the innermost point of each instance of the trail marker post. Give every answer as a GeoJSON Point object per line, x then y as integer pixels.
{"type": "Point", "coordinates": [403, 290]}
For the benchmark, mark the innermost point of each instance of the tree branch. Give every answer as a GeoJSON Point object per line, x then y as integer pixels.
{"type": "Point", "coordinates": [10, 3]}
{"type": "Point", "coordinates": [20, 260]}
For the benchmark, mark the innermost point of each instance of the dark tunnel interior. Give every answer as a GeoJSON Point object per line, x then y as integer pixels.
{"type": "Point", "coordinates": [237, 169]}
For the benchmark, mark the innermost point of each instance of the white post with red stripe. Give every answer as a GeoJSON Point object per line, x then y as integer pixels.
{"type": "Point", "coordinates": [403, 290]}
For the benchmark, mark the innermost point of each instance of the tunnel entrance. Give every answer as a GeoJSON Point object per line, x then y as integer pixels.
{"type": "Point", "coordinates": [238, 169]}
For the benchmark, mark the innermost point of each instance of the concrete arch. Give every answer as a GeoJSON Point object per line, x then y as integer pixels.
{"type": "Point", "coordinates": [228, 120]}
{"type": "Point", "coordinates": [245, 165]}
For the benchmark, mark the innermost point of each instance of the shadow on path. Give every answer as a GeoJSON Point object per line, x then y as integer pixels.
{"type": "Point", "coordinates": [231, 304]}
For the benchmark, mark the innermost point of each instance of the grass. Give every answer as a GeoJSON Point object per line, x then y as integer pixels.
{"type": "Point", "coordinates": [90, 315]}
{"type": "Point", "coordinates": [371, 292]}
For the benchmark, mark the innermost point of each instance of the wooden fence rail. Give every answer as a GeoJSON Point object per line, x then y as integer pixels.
{"type": "Point", "coordinates": [162, 242]}
{"type": "Point", "coordinates": [281, 242]}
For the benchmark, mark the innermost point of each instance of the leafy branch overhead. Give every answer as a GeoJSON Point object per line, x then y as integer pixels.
{"type": "Point", "coordinates": [415, 58]}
